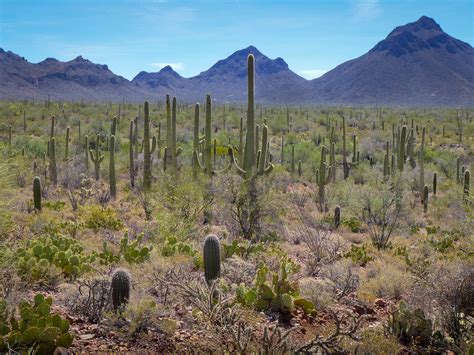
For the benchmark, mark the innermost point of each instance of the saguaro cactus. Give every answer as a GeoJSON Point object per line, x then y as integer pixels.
{"type": "Point", "coordinates": [53, 172]}
{"type": "Point", "coordinates": [467, 176]}
{"type": "Point", "coordinates": [37, 193]}
{"type": "Point", "coordinates": [435, 183]}
{"type": "Point", "coordinates": [421, 162]}
{"type": "Point", "coordinates": [66, 151]}
{"type": "Point", "coordinates": [250, 165]}
{"type": "Point", "coordinates": [147, 150]}
{"type": "Point", "coordinates": [337, 216]}
{"type": "Point", "coordinates": [401, 148]}
{"type": "Point", "coordinates": [322, 178]}
{"type": "Point", "coordinates": [425, 198]}
{"type": "Point", "coordinates": [112, 176]}
{"type": "Point", "coordinates": [121, 281]}
{"type": "Point", "coordinates": [131, 155]}
{"type": "Point", "coordinates": [212, 258]}
{"type": "Point", "coordinates": [250, 152]}
{"type": "Point", "coordinates": [9, 137]}
{"type": "Point", "coordinates": [97, 157]}
{"type": "Point", "coordinates": [87, 153]}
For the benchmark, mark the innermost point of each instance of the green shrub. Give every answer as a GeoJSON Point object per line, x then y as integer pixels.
{"type": "Point", "coordinates": [132, 252]}
{"type": "Point", "coordinates": [353, 224]}
{"type": "Point", "coordinates": [96, 217]}
{"type": "Point", "coordinates": [36, 330]}
{"type": "Point", "coordinates": [242, 250]}
{"type": "Point", "coordinates": [412, 327]}
{"type": "Point", "coordinates": [359, 255]}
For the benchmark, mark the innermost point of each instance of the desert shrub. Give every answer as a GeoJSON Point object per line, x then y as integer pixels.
{"type": "Point", "coordinates": [95, 218]}
{"type": "Point", "coordinates": [321, 292]}
{"type": "Point", "coordinates": [359, 255]}
{"type": "Point", "coordinates": [249, 208]}
{"type": "Point", "coordinates": [385, 278]}
{"type": "Point", "coordinates": [88, 298]}
{"type": "Point", "coordinates": [131, 252]}
{"type": "Point", "coordinates": [353, 223]}
{"type": "Point", "coordinates": [413, 327]}
{"type": "Point", "coordinates": [34, 329]}
{"type": "Point", "coordinates": [344, 276]}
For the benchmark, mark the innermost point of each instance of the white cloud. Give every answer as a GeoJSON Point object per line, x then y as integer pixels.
{"type": "Point", "coordinates": [312, 73]}
{"type": "Point", "coordinates": [364, 10]}
{"type": "Point", "coordinates": [175, 66]}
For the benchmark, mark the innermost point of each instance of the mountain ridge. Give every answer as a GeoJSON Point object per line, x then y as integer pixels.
{"type": "Point", "coordinates": [415, 64]}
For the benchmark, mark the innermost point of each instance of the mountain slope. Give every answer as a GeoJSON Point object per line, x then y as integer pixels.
{"type": "Point", "coordinates": [73, 80]}
{"type": "Point", "coordinates": [417, 64]}
{"type": "Point", "coordinates": [226, 80]}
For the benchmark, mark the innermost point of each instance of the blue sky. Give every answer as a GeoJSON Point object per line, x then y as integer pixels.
{"type": "Point", "coordinates": [130, 36]}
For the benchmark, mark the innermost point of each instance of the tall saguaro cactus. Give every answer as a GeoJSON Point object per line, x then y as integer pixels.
{"type": "Point", "coordinates": [112, 176]}
{"type": "Point", "coordinates": [250, 165]}
{"type": "Point", "coordinates": [322, 178]}
{"type": "Point", "coordinates": [53, 171]}
{"type": "Point", "coordinates": [131, 155]}
{"type": "Point", "coordinates": [467, 178]}
{"type": "Point", "coordinates": [401, 148]}
{"type": "Point", "coordinates": [147, 150]}
{"type": "Point", "coordinates": [421, 162]}
{"type": "Point", "coordinates": [97, 157]}
{"type": "Point", "coordinates": [87, 153]}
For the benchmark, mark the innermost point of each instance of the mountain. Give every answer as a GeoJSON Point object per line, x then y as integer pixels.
{"type": "Point", "coordinates": [416, 64]}
{"type": "Point", "coordinates": [226, 80]}
{"type": "Point", "coordinates": [73, 80]}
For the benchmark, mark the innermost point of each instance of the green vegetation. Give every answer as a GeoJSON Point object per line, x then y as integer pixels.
{"type": "Point", "coordinates": [238, 229]}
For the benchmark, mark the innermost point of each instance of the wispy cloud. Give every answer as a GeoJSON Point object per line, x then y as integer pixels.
{"type": "Point", "coordinates": [365, 10]}
{"type": "Point", "coordinates": [175, 66]}
{"type": "Point", "coordinates": [312, 73]}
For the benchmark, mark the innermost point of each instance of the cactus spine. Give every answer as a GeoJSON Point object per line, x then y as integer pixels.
{"type": "Point", "coordinates": [212, 258]}
{"type": "Point", "coordinates": [97, 157]}
{"type": "Point", "coordinates": [37, 193]}
{"type": "Point", "coordinates": [120, 288]}
{"type": "Point", "coordinates": [112, 176]}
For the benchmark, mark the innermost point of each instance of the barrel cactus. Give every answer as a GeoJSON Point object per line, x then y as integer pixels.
{"type": "Point", "coordinates": [212, 258]}
{"type": "Point", "coordinates": [121, 280]}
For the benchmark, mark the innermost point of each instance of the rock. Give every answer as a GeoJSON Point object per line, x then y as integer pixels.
{"type": "Point", "coordinates": [380, 303]}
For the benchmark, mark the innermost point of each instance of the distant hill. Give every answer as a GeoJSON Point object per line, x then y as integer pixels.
{"type": "Point", "coordinates": [417, 64]}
